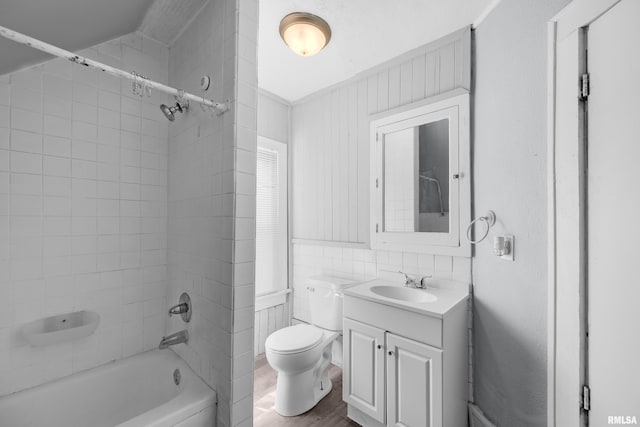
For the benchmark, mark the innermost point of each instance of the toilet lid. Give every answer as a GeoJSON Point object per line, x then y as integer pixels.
{"type": "Point", "coordinates": [294, 339]}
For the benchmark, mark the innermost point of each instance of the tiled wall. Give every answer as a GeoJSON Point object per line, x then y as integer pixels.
{"type": "Point", "coordinates": [212, 203]}
{"type": "Point", "coordinates": [366, 264]}
{"type": "Point", "coordinates": [83, 166]}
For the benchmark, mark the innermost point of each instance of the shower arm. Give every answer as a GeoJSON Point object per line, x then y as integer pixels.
{"type": "Point", "coordinates": [7, 33]}
{"type": "Point", "coordinates": [428, 178]}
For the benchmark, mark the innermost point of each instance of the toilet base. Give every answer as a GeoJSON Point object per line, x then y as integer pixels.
{"type": "Point", "coordinates": [297, 393]}
{"type": "Point", "coordinates": [292, 400]}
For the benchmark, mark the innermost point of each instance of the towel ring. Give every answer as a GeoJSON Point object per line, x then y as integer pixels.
{"type": "Point", "coordinates": [489, 219]}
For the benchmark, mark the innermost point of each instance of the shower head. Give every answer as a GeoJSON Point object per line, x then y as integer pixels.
{"type": "Point", "coordinates": [169, 112]}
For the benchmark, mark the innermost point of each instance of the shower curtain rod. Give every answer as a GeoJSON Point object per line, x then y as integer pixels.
{"type": "Point", "coordinates": [80, 60]}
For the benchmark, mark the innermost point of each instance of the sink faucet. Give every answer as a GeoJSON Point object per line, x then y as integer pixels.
{"type": "Point", "coordinates": [413, 282]}
{"type": "Point", "coordinates": [173, 339]}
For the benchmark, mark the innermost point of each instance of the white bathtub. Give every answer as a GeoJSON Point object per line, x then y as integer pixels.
{"type": "Point", "coordinates": [135, 392]}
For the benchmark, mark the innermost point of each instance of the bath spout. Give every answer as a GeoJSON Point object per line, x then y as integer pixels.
{"type": "Point", "coordinates": [175, 338]}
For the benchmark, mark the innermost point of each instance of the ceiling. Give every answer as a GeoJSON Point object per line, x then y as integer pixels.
{"type": "Point", "coordinates": [69, 24]}
{"type": "Point", "coordinates": [364, 32]}
{"type": "Point", "coordinates": [166, 19]}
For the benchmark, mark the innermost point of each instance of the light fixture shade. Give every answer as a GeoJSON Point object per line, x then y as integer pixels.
{"type": "Point", "coordinates": [304, 33]}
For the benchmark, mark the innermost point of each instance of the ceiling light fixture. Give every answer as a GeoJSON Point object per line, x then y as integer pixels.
{"type": "Point", "coordinates": [304, 33]}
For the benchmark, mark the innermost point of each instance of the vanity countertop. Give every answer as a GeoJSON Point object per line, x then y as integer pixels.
{"type": "Point", "coordinates": [449, 293]}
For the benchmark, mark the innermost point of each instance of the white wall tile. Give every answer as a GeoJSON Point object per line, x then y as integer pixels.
{"type": "Point", "coordinates": [69, 241]}
{"type": "Point", "coordinates": [85, 94]}
{"type": "Point", "coordinates": [56, 146]}
{"type": "Point", "coordinates": [26, 141]}
{"type": "Point", "coordinates": [26, 120]}
{"type": "Point", "coordinates": [26, 162]}
{"type": "Point", "coordinates": [310, 260]}
{"type": "Point", "coordinates": [57, 126]}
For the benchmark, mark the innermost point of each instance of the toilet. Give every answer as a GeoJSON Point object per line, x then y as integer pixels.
{"type": "Point", "coordinates": [301, 353]}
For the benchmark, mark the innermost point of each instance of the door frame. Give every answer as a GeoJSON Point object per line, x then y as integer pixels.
{"type": "Point", "coordinates": [567, 317]}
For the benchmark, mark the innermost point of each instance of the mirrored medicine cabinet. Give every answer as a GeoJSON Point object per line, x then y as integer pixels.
{"type": "Point", "coordinates": [420, 177]}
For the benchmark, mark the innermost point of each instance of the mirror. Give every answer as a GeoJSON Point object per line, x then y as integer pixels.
{"type": "Point", "coordinates": [416, 178]}
{"type": "Point", "coordinates": [420, 164]}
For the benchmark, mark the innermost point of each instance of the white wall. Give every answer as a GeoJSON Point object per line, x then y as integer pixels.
{"type": "Point", "coordinates": [273, 117]}
{"type": "Point", "coordinates": [330, 136]}
{"type": "Point", "coordinates": [364, 264]}
{"type": "Point", "coordinates": [273, 123]}
{"type": "Point", "coordinates": [83, 187]}
{"type": "Point", "coordinates": [83, 206]}
{"type": "Point", "coordinates": [509, 139]}
{"type": "Point", "coordinates": [330, 144]}
{"type": "Point", "coordinates": [212, 165]}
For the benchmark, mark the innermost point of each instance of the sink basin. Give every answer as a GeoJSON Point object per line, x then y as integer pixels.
{"type": "Point", "coordinates": [403, 294]}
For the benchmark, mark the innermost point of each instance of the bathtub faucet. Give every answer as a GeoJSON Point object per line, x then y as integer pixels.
{"type": "Point", "coordinates": [183, 308]}
{"type": "Point", "coordinates": [179, 309]}
{"type": "Point", "coordinates": [173, 339]}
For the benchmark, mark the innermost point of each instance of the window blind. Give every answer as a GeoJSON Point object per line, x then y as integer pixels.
{"type": "Point", "coordinates": [271, 222]}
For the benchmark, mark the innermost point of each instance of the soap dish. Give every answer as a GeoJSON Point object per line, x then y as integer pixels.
{"type": "Point", "coordinates": [61, 328]}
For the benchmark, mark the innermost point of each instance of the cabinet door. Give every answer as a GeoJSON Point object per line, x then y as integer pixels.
{"type": "Point", "coordinates": [414, 383]}
{"type": "Point", "coordinates": [363, 368]}
{"type": "Point", "coordinates": [420, 190]}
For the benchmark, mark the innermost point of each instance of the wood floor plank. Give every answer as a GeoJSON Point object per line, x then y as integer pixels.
{"type": "Point", "coordinates": [330, 411]}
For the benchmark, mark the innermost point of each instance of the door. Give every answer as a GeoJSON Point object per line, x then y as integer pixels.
{"type": "Point", "coordinates": [363, 382]}
{"type": "Point", "coordinates": [414, 383]}
{"type": "Point", "coordinates": [614, 216]}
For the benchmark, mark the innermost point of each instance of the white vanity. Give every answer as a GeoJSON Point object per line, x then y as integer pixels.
{"type": "Point", "coordinates": [405, 354]}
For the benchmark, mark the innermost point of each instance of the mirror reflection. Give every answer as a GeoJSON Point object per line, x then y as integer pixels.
{"type": "Point", "coordinates": [416, 178]}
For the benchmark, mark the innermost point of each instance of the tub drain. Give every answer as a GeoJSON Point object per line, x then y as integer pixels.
{"type": "Point", "coordinates": [176, 376]}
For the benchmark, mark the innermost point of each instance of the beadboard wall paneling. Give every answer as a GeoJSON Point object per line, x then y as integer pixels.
{"type": "Point", "coordinates": [267, 322]}
{"type": "Point", "coordinates": [330, 136]}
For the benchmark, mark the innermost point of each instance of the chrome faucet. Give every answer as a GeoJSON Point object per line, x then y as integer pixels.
{"type": "Point", "coordinates": [175, 338]}
{"type": "Point", "coordinates": [179, 309]}
{"type": "Point", "coordinates": [413, 282]}
{"type": "Point", "coordinates": [183, 308]}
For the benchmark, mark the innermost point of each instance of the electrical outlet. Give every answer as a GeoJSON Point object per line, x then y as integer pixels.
{"type": "Point", "coordinates": [509, 240]}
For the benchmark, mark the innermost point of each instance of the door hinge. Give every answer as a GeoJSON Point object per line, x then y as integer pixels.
{"type": "Point", "coordinates": [586, 398]}
{"type": "Point", "coordinates": [377, 137]}
{"type": "Point", "coordinates": [376, 228]}
{"type": "Point", "coordinates": [584, 87]}
{"type": "Point", "coordinates": [376, 182]}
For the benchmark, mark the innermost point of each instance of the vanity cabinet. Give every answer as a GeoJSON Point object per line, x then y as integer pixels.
{"type": "Point", "coordinates": [384, 368]}
{"type": "Point", "coordinates": [403, 368]}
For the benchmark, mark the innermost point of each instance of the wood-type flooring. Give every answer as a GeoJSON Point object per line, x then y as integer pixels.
{"type": "Point", "coordinates": [331, 411]}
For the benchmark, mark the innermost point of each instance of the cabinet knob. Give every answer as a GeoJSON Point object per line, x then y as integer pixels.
{"type": "Point", "coordinates": [390, 353]}
{"type": "Point", "coordinates": [379, 346]}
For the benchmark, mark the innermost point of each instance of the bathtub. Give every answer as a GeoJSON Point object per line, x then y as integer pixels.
{"type": "Point", "coordinates": [133, 392]}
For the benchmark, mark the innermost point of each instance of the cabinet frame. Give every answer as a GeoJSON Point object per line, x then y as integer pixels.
{"type": "Point", "coordinates": [455, 105]}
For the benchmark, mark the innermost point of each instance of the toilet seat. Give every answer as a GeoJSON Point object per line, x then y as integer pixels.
{"type": "Point", "coordinates": [294, 339]}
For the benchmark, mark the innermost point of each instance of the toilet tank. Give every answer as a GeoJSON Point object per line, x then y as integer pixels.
{"type": "Point", "coordinates": [325, 296]}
